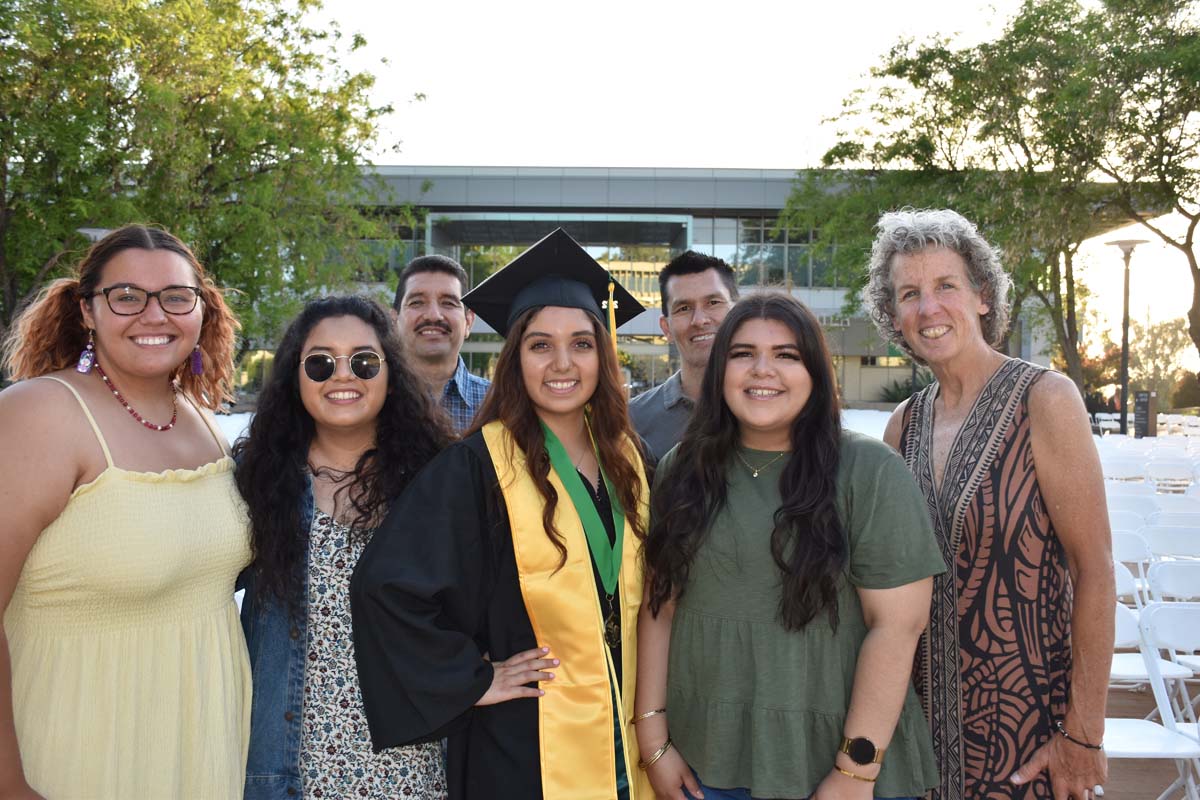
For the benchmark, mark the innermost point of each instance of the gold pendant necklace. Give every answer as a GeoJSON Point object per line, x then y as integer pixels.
{"type": "Point", "coordinates": [755, 470]}
{"type": "Point", "coordinates": [612, 629]}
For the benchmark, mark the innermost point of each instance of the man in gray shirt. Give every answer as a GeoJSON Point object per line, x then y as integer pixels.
{"type": "Point", "coordinates": [696, 291]}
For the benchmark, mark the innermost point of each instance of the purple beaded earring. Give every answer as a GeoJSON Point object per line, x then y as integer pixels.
{"type": "Point", "coordinates": [88, 356]}
{"type": "Point", "coordinates": [197, 361]}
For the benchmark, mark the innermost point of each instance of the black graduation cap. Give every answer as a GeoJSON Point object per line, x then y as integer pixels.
{"type": "Point", "coordinates": [554, 272]}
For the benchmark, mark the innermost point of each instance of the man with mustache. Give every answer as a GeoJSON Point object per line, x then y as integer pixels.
{"type": "Point", "coordinates": [696, 292]}
{"type": "Point", "coordinates": [433, 323]}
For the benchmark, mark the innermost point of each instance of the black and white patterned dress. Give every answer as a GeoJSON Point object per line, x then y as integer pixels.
{"type": "Point", "coordinates": [336, 760]}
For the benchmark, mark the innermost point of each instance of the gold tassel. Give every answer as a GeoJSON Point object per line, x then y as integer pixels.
{"type": "Point", "coordinates": [612, 317]}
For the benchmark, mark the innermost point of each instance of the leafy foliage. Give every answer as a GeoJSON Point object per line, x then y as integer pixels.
{"type": "Point", "coordinates": [1155, 356]}
{"type": "Point", "coordinates": [898, 391]}
{"type": "Point", "coordinates": [1186, 393]}
{"type": "Point", "coordinates": [1010, 134]}
{"type": "Point", "coordinates": [1149, 60]}
{"type": "Point", "coordinates": [230, 122]}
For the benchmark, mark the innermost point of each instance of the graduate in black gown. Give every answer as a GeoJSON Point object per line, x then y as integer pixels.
{"type": "Point", "coordinates": [497, 603]}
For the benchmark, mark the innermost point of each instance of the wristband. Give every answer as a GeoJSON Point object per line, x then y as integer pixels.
{"type": "Point", "coordinates": [1062, 731]}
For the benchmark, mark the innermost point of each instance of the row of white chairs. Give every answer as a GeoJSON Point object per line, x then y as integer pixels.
{"type": "Point", "coordinates": [1113, 487]}
{"type": "Point", "coordinates": [1130, 519]}
{"type": "Point", "coordinates": [1148, 505]}
{"type": "Point", "coordinates": [1165, 475]}
{"type": "Point", "coordinates": [1166, 634]}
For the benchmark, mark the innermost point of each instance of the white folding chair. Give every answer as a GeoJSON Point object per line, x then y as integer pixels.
{"type": "Point", "coordinates": [1123, 520]}
{"type": "Point", "coordinates": [1139, 505]}
{"type": "Point", "coordinates": [1174, 580]}
{"type": "Point", "coordinates": [1119, 467]}
{"type": "Point", "coordinates": [1127, 487]}
{"type": "Point", "coordinates": [1173, 502]}
{"type": "Point", "coordinates": [1169, 475]}
{"type": "Point", "coordinates": [1129, 669]}
{"type": "Point", "coordinates": [1128, 547]}
{"type": "Point", "coordinates": [1168, 542]}
{"type": "Point", "coordinates": [1178, 581]}
{"type": "Point", "coordinates": [1126, 583]}
{"type": "Point", "coordinates": [1175, 519]}
{"type": "Point", "coordinates": [1173, 627]}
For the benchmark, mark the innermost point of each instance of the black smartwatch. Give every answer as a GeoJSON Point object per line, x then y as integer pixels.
{"type": "Point", "coordinates": [862, 751]}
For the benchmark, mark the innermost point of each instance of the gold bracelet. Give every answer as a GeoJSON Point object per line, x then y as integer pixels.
{"type": "Point", "coordinates": [657, 755]}
{"type": "Point", "coordinates": [647, 715]}
{"type": "Point", "coordinates": [854, 775]}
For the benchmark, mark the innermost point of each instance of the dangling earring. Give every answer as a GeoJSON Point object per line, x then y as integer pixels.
{"type": "Point", "coordinates": [88, 357]}
{"type": "Point", "coordinates": [197, 361]}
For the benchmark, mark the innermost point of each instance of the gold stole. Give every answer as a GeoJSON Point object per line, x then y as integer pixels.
{"type": "Point", "coordinates": [575, 724]}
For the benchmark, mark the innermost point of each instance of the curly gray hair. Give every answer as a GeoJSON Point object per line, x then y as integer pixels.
{"type": "Point", "coordinates": [912, 230]}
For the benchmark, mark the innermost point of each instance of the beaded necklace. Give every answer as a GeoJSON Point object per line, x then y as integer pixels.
{"type": "Point", "coordinates": [130, 409]}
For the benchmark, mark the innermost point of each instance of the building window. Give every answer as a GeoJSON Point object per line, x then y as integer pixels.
{"type": "Point", "coordinates": [884, 361]}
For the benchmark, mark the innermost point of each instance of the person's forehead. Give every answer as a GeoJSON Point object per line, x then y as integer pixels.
{"type": "Point", "coordinates": [931, 263]}
{"type": "Point", "coordinates": [695, 285]}
{"type": "Point", "coordinates": [433, 283]}
{"type": "Point", "coordinates": [148, 269]}
{"type": "Point", "coordinates": [343, 330]}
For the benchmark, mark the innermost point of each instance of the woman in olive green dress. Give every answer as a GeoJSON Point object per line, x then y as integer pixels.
{"type": "Point", "coordinates": [789, 577]}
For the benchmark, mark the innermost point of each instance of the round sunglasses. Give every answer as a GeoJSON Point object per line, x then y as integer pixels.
{"type": "Point", "coordinates": [319, 367]}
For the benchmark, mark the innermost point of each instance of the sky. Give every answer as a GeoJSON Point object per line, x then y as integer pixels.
{"type": "Point", "coordinates": [655, 83]}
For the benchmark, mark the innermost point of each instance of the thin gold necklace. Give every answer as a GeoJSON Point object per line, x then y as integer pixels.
{"type": "Point", "coordinates": [753, 469]}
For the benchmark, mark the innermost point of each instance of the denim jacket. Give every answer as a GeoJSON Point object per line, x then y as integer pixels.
{"type": "Point", "coordinates": [277, 641]}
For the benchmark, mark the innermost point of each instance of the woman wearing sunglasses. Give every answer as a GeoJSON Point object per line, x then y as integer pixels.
{"type": "Point", "coordinates": [341, 428]}
{"type": "Point", "coordinates": [497, 605]}
{"type": "Point", "coordinates": [123, 671]}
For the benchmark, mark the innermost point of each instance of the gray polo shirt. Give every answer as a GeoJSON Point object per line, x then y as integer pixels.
{"type": "Point", "coordinates": [661, 414]}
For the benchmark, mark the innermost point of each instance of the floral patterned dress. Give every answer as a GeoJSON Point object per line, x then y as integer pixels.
{"type": "Point", "coordinates": [336, 760]}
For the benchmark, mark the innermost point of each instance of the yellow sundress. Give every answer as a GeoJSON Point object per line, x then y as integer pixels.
{"type": "Point", "coordinates": [129, 669]}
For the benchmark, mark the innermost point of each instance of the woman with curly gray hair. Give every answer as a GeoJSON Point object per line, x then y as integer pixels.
{"type": "Point", "coordinates": [1016, 657]}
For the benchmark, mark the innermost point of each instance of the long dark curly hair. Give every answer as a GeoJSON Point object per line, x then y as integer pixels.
{"type": "Point", "coordinates": [508, 401]}
{"type": "Point", "coordinates": [809, 542]}
{"type": "Point", "coordinates": [272, 470]}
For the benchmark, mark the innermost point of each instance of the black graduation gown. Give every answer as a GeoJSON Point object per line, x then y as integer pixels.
{"type": "Point", "coordinates": [434, 591]}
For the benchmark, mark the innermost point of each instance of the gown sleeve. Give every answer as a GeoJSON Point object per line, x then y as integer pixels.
{"type": "Point", "coordinates": [418, 599]}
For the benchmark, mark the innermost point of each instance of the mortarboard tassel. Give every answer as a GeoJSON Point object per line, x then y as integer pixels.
{"type": "Point", "coordinates": [612, 316]}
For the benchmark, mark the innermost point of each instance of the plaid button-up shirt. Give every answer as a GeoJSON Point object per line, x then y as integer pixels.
{"type": "Point", "coordinates": [463, 395]}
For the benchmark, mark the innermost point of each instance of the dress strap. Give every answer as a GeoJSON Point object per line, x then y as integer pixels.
{"type": "Point", "coordinates": [91, 420]}
{"type": "Point", "coordinates": [217, 435]}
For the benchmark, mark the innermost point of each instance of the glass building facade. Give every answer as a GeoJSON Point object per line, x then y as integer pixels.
{"type": "Point", "coordinates": [634, 221]}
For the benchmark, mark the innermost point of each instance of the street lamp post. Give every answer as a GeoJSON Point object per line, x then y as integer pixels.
{"type": "Point", "coordinates": [1126, 246]}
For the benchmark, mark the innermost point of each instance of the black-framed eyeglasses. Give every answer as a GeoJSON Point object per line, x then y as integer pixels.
{"type": "Point", "coordinates": [319, 367]}
{"type": "Point", "coordinates": [127, 300]}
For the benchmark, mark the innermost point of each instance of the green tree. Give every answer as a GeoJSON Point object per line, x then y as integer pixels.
{"type": "Point", "coordinates": [1148, 74]}
{"type": "Point", "coordinates": [1186, 393]}
{"type": "Point", "coordinates": [1155, 356]}
{"type": "Point", "coordinates": [1003, 132]}
{"type": "Point", "coordinates": [230, 122]}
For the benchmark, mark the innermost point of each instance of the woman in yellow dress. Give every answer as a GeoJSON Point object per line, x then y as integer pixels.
{"type": "Point", "coordinates": [121, 649]}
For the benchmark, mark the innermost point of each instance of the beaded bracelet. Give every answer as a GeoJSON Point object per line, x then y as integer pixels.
{"type": "Point", "coordinates": [657, 754]}
{"type": "Point", "coordinates": [854, 775]}
{"type": "Point", "coordinates": [647, 715]}
{"type": "Point", "coordinates": [1058, 725]}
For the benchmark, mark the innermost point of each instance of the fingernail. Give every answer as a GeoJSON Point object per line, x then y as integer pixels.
{"type": "Point", "coordinates": [1015, 778]}
{"type": "Point", "coordinates": [551, 674]}
{"type": "Point", "coordinates": [556, 662]}
{"type": "Point", "coordinates": [545, 649]}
